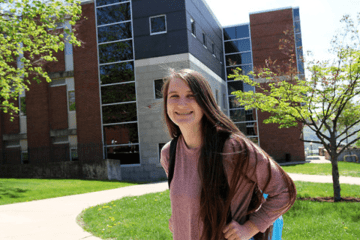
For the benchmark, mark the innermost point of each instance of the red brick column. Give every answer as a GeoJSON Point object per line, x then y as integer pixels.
{"type": "Point", "coordinates": [87, 88]}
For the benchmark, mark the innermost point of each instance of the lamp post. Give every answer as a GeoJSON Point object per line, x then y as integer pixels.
{"type": "Point", "coordinates": [311, 148]}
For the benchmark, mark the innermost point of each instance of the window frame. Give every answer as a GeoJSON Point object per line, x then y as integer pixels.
{"type": "Point", "coordinates": [162, 32]}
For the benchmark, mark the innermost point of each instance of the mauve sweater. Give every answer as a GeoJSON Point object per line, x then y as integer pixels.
{"type": "Point", "coordinates": [185, 188]}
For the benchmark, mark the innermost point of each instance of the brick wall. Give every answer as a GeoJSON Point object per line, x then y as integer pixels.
{"type": "Point", "coordinates": [8, 126]}
{"type": "Point", "coordinates": [58, 108]}
{"type": "Point", "coordinates": [56, 66]}
{"type": "Point", "coordinates": [266, 31]}
{"type": "Point", "coordinates": [86, 81]}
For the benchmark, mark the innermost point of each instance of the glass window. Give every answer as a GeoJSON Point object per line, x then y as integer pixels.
{"type": "Point", "coordinates": [237, 46]}
{"type": "Point", "coordinates": [119, 113]}
{"type": "Point", "coordinates": [229, 33]}
{"type": "Point", "coordinates": [213, 48]}
{"type": "Point", "coordinates": [296, 14]}
{"type": "Point", "coordinates": [297, 27]}
{"type": "Point", "coordinates": [115, 52]}
{"type": "Point", "coordinates": [193, 30]}
{"type": "Point", "coordinates": [24, 157]}
{"type": "Point", "coordinates": [106, 2]}
{"type": "Point", "coordinates": [122, 134]}
{"type": "Point", "coordinates": [118, 93]}
{"type": "Point", "coordinates": [22, 106]}
{"type": "Point", "coordinates": [237, 59]}
{"type": "Point", "coordinates": [242, 31]}
{"type": "Point", "coordinates": [114, 32]}
{"type": "Point", "coordinates": [237, 115]}
{"type": "Point", "coordinates": [126, 154]}
{"type": "Point", "coordinates": [158, 86]}
{"type": "Point", "coordinates": [204, 39]}
{"type": "Point", "coordinates": [158, 24]}
{"type": "Point", "coordinates": [244, 69]}
{"type": "Point", "coordinates": [298, 40]}
{"type": "Point", "coordinates": [113, 14]}
{"type": "Point", "coordinates": [235, 86]}
{"type": "Point", "coordinates": [116, 73]}
{"type": "Point", "coordinates": [233, 103]}
{"type": "Point", "coordinates": [71, 102]}
{"type": "Point", "coordinates": [249, 129]}
{"type": "Point", "coordinates": [74, 154]}
{"type": "Point", "coordinates": [236, 32]}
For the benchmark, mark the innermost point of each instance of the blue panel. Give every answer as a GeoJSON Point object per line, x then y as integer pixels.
{"type": "Point", "coordinates": [106, 2]}
{"type": "Point", "coordinates": [229, 33]}
{"type": "Point", "coordinates": [115, 52]}
{"type": "Point", "coordinates": [237, 59]}
{"type": "Point", "coordinates": [237, 46]}
{"type": "Point", "coordinates": [242, 31]}
{"type": "Point", "coordinates": [297, 27]}
{"type": "Point", "coordinates": [114, 32]}
{"type": "Point", "coordinates": [296, 14]}
{"type": "Point", "coordinates": [112, 14]}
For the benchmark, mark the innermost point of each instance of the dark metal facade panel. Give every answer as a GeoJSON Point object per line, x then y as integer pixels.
{"type": "Point", "coordinates": [205, 23]}
{"type": "Point", "coordinates": [174, 41]}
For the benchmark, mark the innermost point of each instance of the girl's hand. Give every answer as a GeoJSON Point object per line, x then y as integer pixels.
{"type": "Point", "coordinates": [235, 231]}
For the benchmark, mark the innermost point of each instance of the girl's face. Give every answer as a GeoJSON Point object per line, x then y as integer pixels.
{"type": "Point", "coordinates": [182, 107]}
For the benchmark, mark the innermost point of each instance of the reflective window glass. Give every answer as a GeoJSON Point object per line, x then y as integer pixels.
{"type": "Point", "coordinates": [249, 129]}
{"type": "Point", "coordinates": [112, 14]}
{"type": "Point", "coordinates": [106, 2]}
{"type": "Point", "coordinates": [158, 24]}
{"type": "Point", "coordinates": [118, 93]}
{"type": "Point", "coordinates": [158, 86]}
{"type": "Point", "coordinates": [121, 134]}
{"type": "Point", "coordinates": [114, 32]}
{"type": "Point", "coordinates": [297, 27]}
{"type": "Point", "coordinates": [119, 113]}
{"type": "Point", "coordinates": [237, 115]}
{"type": "Point", "coordinates": [126, 154]}
{"type": "Point", "coordinates": [235, 86]}
{"type": "Point", "coordinates": [296, 14]}
{"type": "Point", "coordinates": [72, 106]}
{"type": "Point", "coordinates": [298, 40]}
{"type": "Point", "coordinates": [23, 106]}
{"type": "Point", "coordinates": [193, 30]}
{"type": "Point", "coordinates": [244, 69]}
{"type": "Point", "coordinates": [242, 31]}
{"type": "Point", "coordinates": [115, 73]}
{"type": "Point", "coordinates": [116, 52]}
{"type": "Point", "coordinates": [237, 46]}
{"type": "Point", "coordinates": [237, 59]}
{"type": "Point", "coordinates": [229, 33]}
{"type": "Point", "coordinates": [233, 103]}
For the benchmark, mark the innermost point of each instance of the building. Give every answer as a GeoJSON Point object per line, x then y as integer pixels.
{"type": "Point", "coordinates": [104, 100]}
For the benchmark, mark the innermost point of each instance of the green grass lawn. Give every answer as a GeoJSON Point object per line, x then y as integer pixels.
{"type": "Point", "coordinates": [146, 217]}
{"type": "Point", "coordinates": [345, 169]}
{"type": "Point", "coordinates": [23, 190]}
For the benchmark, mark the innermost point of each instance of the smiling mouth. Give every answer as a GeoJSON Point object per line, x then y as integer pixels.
{"type": "Point", "coordinates": [184, 114]}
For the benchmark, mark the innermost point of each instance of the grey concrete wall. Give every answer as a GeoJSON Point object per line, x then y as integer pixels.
{"type": "Point", "coordinates": [351, 152]}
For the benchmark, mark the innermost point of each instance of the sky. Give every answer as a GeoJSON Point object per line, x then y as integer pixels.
{"type": "Point", "coordinates": [319, 19]}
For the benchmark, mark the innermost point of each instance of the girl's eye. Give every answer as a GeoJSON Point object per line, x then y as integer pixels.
{"type": "Point", "coordinates": [172, 96]}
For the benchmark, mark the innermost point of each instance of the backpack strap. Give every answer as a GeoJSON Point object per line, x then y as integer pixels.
{"type": "Point", "coordinates": [173, 144]}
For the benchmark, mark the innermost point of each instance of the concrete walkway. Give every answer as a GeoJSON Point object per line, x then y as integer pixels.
{"type": "Point", "coordinates": [55, 218]}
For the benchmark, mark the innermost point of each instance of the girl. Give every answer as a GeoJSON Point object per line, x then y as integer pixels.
{"type": "Point", "coordinates": [198, 210]}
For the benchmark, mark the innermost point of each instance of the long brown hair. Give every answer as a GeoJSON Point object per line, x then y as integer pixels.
{"type": "Point", "coordinates": [213, 209]}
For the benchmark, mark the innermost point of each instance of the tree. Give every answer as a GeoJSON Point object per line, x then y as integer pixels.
{"type": "Point", "coordinates": [29, 32]}
{"type": "Point", "coordinates": [319, 101]}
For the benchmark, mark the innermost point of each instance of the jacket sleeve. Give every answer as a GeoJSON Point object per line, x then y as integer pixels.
{"type": "Point", "coordinates": [263, 170]}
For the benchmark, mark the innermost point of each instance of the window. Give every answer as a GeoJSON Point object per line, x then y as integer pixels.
{"type": "Point", "coordinates": [158, 85]}
{"type": "Point", "coordinates": [213, 49]}
{"type": "Point", "coordinates": [24, 157]}
{"type": "Point", "coordinates": [158, 24]}
{"type": "Point", "coordinates": [193, 30]}
{"type": "Point", "coordinates": [22, 106]}
{"type": "Point", "coordinates": [204, 39]}
{"type": "Point", "coordinates": [217, 96]}
{"type": "Point", "coordinates": [74, 154]}
{"type": "Point", "coordinates": [72, 101]}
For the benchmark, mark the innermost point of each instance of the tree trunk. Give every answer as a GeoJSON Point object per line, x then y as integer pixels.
{"type": "Point", "coordinates": [335, 176]}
